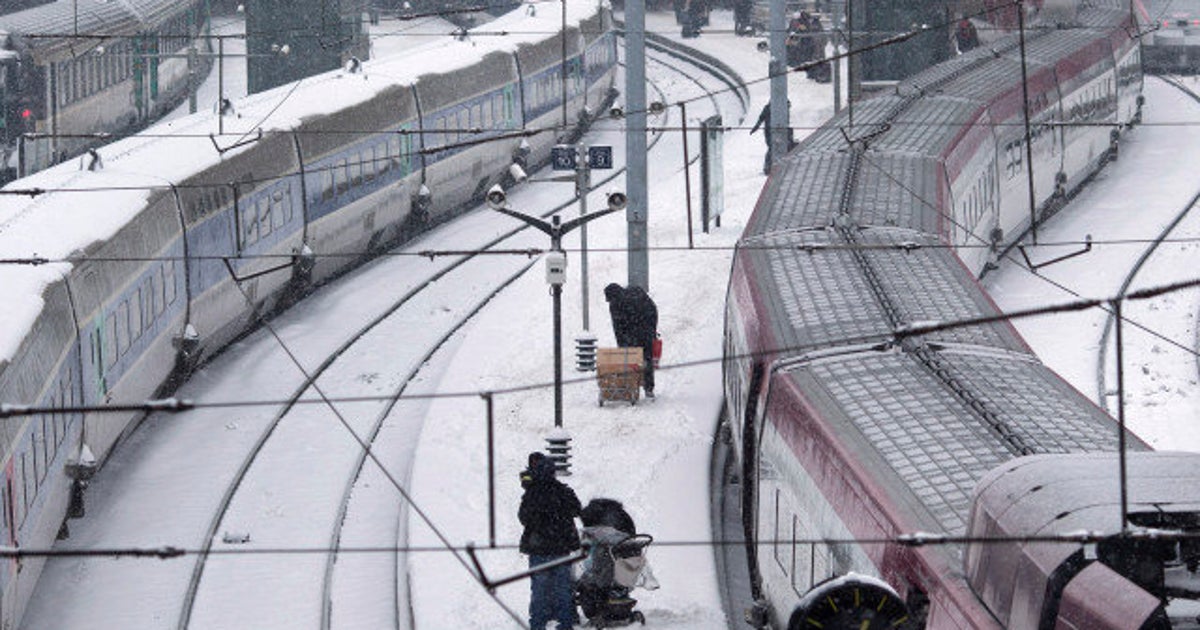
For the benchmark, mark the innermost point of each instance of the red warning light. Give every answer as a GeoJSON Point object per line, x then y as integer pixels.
{"type": "Point", "coordinates": [26, 113]}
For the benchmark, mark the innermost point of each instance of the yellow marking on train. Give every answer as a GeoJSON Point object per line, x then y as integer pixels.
{"type": "Point", "coordinates": [832, 604]}
{"type": "Point", "coordinates": [865, 625]}
{"type": "Point", "coordinates": [900, 621]}
{"type": "Point", "coordinates": [814, 622]}
{"type": "Point", "coordinates": [857, 598]}
{"type": "Point", "coordinates": [881, 603]}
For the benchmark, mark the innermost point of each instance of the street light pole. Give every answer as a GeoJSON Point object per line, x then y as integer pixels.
{"type": "Point", "coordinates": [556, 266]}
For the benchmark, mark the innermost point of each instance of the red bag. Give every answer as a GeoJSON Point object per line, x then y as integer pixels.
{"type": "Point", "coordinates": [656, 350]}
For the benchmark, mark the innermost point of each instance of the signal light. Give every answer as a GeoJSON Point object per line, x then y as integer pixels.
{"type": "Point", "coordinates": [26, 113]}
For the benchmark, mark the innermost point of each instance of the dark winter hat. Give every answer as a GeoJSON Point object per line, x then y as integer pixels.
{"type": "Point", "coordinates": [543, 468]}
{"type": "Point", "coordinates": [612, 291]}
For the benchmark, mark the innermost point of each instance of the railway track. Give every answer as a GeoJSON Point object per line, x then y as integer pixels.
{"type": "Point", "coordinates": [224, 588]}
{"type": "Point", "coordinates": [1184, 225]}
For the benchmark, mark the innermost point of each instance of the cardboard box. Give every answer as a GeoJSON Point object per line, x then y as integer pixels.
{"type": "Point", "coordinates": [619, 374]}
{"type": "Point", "coordinates": [618, 360]}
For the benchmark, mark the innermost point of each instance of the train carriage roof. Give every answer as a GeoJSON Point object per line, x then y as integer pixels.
{"type": "Point", "coordinates": [903, 433]}
{"type": "Point", "coordinates": [897, 190]}
{"type": "Point", "coordinates": [867, 116]}
{"type": "Point", "coordinates": [1038, 408]}
{"type": "Point", "coordinates": [814, 283]}
{"type": "Point", "coordinates": [805, 193]}
{"type": "Point", "coordinates": [927, 126]}
{"type": "Point", "coordinates": [48, 32]}
{"type": "Point", "coordinates": [910, 423]}
{"type": "Point", "coordinates": [931, 285]}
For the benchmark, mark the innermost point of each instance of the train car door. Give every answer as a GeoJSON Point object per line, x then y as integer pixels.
{"type": "Point", "coordinates": [10, 117]}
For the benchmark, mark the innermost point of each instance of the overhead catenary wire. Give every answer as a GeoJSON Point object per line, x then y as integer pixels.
{"type": "Point", "coordinates": [9, 410]}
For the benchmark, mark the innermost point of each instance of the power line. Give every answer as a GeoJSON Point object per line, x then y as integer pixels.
{"type": "Point", "coordinates": [9, 410]}
{"type": "Point", "coordinates": [917, 539]}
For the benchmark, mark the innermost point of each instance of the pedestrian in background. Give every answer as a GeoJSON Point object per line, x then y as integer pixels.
{"type": "Point", "coordinates": [741, 17]}
{"type": "Point", "coordinates": [965, 36]}
{"type": "Point", "coordinates": [548, 511]}
{"type": "Point", "coordinates": [764, 121]}
{"type": "Point", "coordinates": [635, 325]}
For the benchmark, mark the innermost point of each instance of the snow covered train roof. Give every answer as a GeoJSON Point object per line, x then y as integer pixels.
{"type": "Point", "coordinates": [82, 207]}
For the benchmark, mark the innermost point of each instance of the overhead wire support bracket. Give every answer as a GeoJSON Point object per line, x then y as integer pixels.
{"type": "Point", "coordinates": [239, 143]}
{"type": "Point", "coordinates": [492, 585]}
{"type": "Point", "coordinates": [1087, 247]}
{"type": "Point", "coordinates": [239, 279]}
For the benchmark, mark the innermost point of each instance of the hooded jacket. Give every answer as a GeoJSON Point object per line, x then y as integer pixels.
{"type": "Point", "coordinates": [548, 510]}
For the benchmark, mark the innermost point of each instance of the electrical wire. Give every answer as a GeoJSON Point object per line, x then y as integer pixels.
{"type": "Point", "coordinates": [890, 338]}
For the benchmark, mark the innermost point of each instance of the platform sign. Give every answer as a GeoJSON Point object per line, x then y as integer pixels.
{"type": "Point", "coordinates": [600, 157]}
{"type": "Point", "coordinates": [563, 158]}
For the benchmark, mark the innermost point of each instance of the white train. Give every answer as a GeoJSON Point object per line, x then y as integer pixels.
{"type": "Point", "coordinates": [305, 181]}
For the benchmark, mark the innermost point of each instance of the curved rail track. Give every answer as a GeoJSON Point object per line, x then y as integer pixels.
{"type": "Point", "coordinates": [1104, 367]}
{"type": "Point", "coordinates": [349, 368]}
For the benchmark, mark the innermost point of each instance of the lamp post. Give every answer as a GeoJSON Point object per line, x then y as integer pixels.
{"type": "Point", "coordinates": [556, 266]}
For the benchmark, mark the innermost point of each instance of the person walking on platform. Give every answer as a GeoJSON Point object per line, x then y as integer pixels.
{"type": "Point", "coordinates": [635, 325]}
{"type": "Point", "coordinates": [741, 17]}
{"type": "Point", "coordinates": [548, 511]}
{"type": "Point", "coordinates": [764, 121]}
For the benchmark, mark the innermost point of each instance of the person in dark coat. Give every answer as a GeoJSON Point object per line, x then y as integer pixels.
{"type": "Point", "coordinates": [635, 325]}
{"type": "Point", "coordinates": [764, 121]}
{"type": "Point", "coordinates": [548, 511]}
{"type": "Point", "coordinates": [741, 17]}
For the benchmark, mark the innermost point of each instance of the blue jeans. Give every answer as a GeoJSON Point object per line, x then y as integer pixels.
{"type": "Point", "coordinates": [551, 595]}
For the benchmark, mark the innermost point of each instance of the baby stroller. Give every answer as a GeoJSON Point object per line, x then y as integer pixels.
{"type": "Point", "coordinates": [616, 564]}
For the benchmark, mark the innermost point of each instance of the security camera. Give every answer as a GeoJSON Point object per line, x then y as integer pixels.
{"type": "Point", "coordinates": [617, 200]}
{"type": "Point", "coordinates": [496, 198]}
{"type": "Point", "coordinates": [616, 111]}
{"type": "Point", "coordinates": [762, 46]}
{"type": "Point", "coordinates": [657, 107]}
{"type": "Point", "coordinates": [517, 173]}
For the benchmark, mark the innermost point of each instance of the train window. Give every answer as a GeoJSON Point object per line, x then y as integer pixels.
{"type": "Point", "coordinates": [356, 174]}
{"type": "Point", "coordinates": [775, 535]}
{"type": "Point", "coordinates": [793, 546]}
{"type": "Point", "coordinates": [249, 223]}
{"type": "Point", "coordinates": [486, 114]}
{"type": "Point", "coordinates": [148, 298]}
{"type": "Point", "coordinates": [397, 151]}
{"type": "Point", "coordinates": [169, 282]}
{"type": "Point", "coordinates": [122, 327]}
{"type": "Point", "coordinates": [109, 347]}
{"type": "Point", "coordinates": [25, 495]}
{"type": "Point", "coordinates": [408, 155]}
{"type": "Point", "coordinates": [369, 162]}
{"type": "Point", "coordinates": [278, 207]}
{"type": "Point", "coordinates": [341, 177]}
{"type": "Point", "coordinates": [135, 313]}
{"type": "Point", "coordinates": [383, 162]}
{"type": "Point", "coordinates": [263, 206]}
{"type": "Point", "coordinates": [327, 183]}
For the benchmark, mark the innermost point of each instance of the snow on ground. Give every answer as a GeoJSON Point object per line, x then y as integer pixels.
{"type": "Point", "coordinates": [654, 456]}
{"type": "Point", "coordinates": [1125, 207]}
